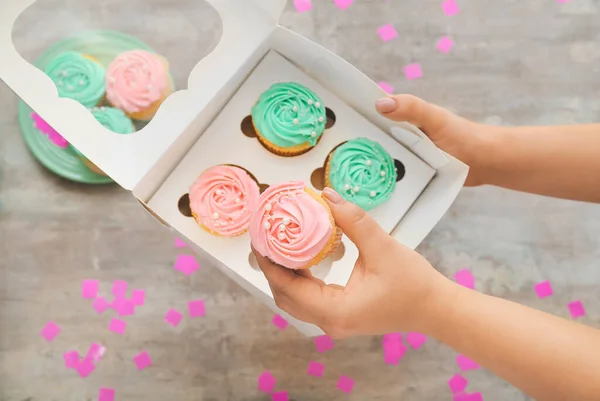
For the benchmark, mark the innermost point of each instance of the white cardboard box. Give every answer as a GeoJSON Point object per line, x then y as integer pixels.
{"type": "Point", "coordinates": [148, 162]}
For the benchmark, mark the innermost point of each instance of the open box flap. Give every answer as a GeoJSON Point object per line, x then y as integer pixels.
{"type": "Point", "coordinates": [127, 158]}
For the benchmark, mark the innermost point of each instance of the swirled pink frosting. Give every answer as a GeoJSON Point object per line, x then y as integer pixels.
{"type": "Point", "coordinates": [135, 80]}
{"type": "Point", "coordinates": [223, 199]}
{"type": "Point", "coordinates": [290, 227]}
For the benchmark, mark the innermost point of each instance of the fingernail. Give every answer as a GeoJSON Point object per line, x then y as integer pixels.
{"type": "Point", "coordinates": [332, 196]}
{"type": "Point", "coordinates": [385, 105]}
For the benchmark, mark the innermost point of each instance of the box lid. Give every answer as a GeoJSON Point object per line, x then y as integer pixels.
{"type": "Point", "coordinates": [127, 158]}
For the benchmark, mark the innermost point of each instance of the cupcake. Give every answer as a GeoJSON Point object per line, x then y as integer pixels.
{"type": "Point", "coordinates": [289, 119]}
{"type": "Point", "coordinates": [293, 226]}
{"type": "Point", "coordinates": [112, 119]}
{"type": "Point", "coordinates": [78, 76]}
{"type": "Point", "coordinates": [138, 82]}
{"type": "Point", "coordinates": [223, 199]}
{"type": "Point", "coordinates": [362, 171]}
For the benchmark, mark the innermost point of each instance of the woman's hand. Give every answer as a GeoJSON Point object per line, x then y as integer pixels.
{"type": "Point", "coordinates": [463, 139]}
{"type": "Point", "coordinates": [392, 288]}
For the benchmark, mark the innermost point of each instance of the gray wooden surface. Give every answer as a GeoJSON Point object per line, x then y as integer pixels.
{"type": "Point", "coordinates": [534, 62]}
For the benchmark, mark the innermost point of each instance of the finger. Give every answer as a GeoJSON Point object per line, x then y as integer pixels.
{"type": "Point", "coordinates": [363, 231]}
{"type": "Point", "coordinates": [302, 297]}
{"type": "Point", "coordinates": [409, 108]}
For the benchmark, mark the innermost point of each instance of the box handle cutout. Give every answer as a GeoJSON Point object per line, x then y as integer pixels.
{"type": "Point", "coordinates": [400, 170]}
{"type": "Point", "coordinates": [184, 205]}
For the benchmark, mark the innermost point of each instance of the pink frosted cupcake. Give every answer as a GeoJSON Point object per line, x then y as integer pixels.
{"type": "Point", "coordinates": [293, 226]}
{"type": "Point", "coordinates": [137, 82]}
{"type": "Point", "coordinates": [223, 199]}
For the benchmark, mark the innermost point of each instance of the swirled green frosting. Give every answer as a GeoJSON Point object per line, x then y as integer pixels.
{"type": "Point", "coordinates": [77, 77]}
{"type": "Point", "coordinates": [112, 119]}
{"type": "Point", "coordinates": [363, 172]}
{"type": "Point", "coordinates": [289, 114]}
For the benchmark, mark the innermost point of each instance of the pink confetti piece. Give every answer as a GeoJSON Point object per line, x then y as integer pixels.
{"type": "Point", "coordinates": [316, 369]}
{"type": "Point", "coordinates": [465, 278]}
{"type": "Point", "coordinates": [71, 359]}
{"type": "Point", "coordinates": [343, 4]}
{"type": "Point", "coordinates": [393, 351]}
{"type": "Point", "coordinates": [543, 289]}
{"type": "Point", "coordinates": [468, 397]}
{"type": "Point", "coordinates": [392, 337]}
{"type": "Point", "coordinates": [416, 340]}
{"type": "Point", "coordinates": [50, 331]}
{"type": "Point", "coordinates": [345, 384]}
{"type": "Point", "coordinates": [179, 243]}
{"type": "Point", "coordinates": [387, 88]}
{"type": "Point", "coordinates": [89, 289]}
{"type": "Point", "coordinates": [100, 304]}
{"type": "Point", "coordinates": [387, 33]}
{"type": "Point", "coordinates": [85, 368]}
{"type": "Point", "coordinates": [450, 7]}
{"type": "Point", "coordinates": [142, 360]}
{"type": "Point", "coordinates": [576, 308]}
{"type": "Point", "coordinates": [303, 6]}
{"type": "Point", "coordinates": [445, 44]}
{"type": "Point", "coordinates": [119, 288]}
{"type": "Point", "coordinates": [106, 394]}
{"type": "Point", "coordinates": [323, 343]}
{"type": "Point", "coordinates": [48, 131]}
{"type": "Point", "coordinates": [413, 71]}
{"type": "Point", "coordinates": [95, 353]}
{"type": "Point", "coordinates": [117, 325]}
{"type": "Point", "coordinates": [280, 322]}
{"type": "Point", "coordinates": [457, 384]}
{"type": "Point", "coordinates": [126, 308]}
{"type": "Point", "coordinates": [138, 297]}
{"type": "Point", "coordinates": [196, 308]}
{"type": "Point", "coordinates": [266, 382]}
{"type": "Point", "coordinates": [173, 317]}
{"type": "Point", "coordinates": [280, 396]}
{"type": "Point", "coordinates": [186, 264]}
{"type": "Point", "coordinates": [465, 363]}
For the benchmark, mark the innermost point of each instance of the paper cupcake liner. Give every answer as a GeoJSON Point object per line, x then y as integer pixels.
{"type": "Point", "coordinates": [281, 151]}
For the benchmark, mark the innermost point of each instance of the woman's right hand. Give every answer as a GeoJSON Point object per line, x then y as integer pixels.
{"type": "Point", "coordinates": [466, 140]}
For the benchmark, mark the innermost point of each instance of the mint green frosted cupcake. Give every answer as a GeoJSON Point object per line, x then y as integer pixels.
{"type": "Point", "coordinates": [112, 119]}
{"type": "Point", "coordinates": [362, 171]}
{"type": "Point", "coordinates": [289, 119]}
{"type": "Point", "coordinates": [79, 77]}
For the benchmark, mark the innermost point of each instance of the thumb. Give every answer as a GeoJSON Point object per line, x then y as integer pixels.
{"type": "Point", "coordinates": [362, 229]}
{"type": "Point", "coordinates": [429, 117]}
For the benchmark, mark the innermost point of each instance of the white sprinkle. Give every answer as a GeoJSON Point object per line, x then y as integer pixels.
{"type": "Point", "coordinates": [102, 108]}
{"type": "Point", "coordinates": [70, 87]}
{"type": "Point", "coordinates": [268, 207]}
{"type": "Point", "coordinates": [313, 134]}
{"type": "Point", "coordinates": [60, 83]}
{"type": "Point", "coordinates": [368, 162]}
{"type": "Point", "coordinates": [281, 236]}
{"type": "Point", "coordinates": [382, 174]}
{"type": "Point", "coordinates": [373, 194]}
{"type": "Point", "coordinates": [81, 83]}
{"type": "Point", "coordinates": [64, 74]}
{"type": "Point", "coordinates": [356, 188]}
{"type": "Point", "coordinates": [215, 215]}
{"type": "Point", "coordinates": [149, 87]}
{"type": "Point", "coordinates": [286, 221]}
{"type": "Point", "coordinates": [281, 228]}
{"type": "Point", "coordinates": [220, 192]}
{"type": "Point", "coordinates": [112, 80]}
{"type": "Point", "coordinates": [267, 225]}
{"type": "Point", "coordinates": [318, 105]}
{"type": "Point", "coordinates": [321, 119]}
{"type": "Point", "coordinates": [347, 187]}
{"type": "Point", "coordinates": [295, 108]}
{"type": "Point", "coordinates": [310, 102]}
{"type": "Point", "coordinates": [237, 200]}
{"type": "Point", "coordinates": [296, 121]}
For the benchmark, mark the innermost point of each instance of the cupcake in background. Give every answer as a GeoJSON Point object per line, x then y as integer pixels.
{"type": "Point", "coordinates": [138, 82]}
{"type": "Point", "coordinates": [289, 119]}
{"type": "Point", "coordinates": [223, 199]}
{"type": "Point", "coordinates": [112, 119]}
{"type": "Point", "coordinates": [362, 171]}
{"type": "Point", "coordinates": [79, 77]}
{"type": "Point", "coordinates": [293, 226]}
